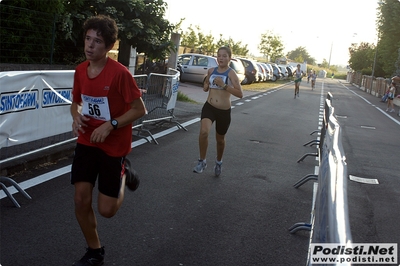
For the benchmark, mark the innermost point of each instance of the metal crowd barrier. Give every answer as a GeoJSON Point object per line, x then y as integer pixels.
{"type": "Point", "coordinates": [327, 107]}
{"type": "Point", "coordinates": [329, 222]}
{"type": "Point", "coordinates": [158, 92]}
{"type": "Point", "coordinates": [328, 110]}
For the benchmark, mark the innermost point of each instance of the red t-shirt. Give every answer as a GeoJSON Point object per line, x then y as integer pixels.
{"type": "Point", "coordinates": [104, 97]}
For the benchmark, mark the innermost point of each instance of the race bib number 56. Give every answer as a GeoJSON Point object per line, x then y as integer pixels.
{"type": "Point", "coordinates": [96, 107]}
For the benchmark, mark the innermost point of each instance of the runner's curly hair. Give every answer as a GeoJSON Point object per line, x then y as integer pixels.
{"type": "Point", "coordinates": [105, 27]}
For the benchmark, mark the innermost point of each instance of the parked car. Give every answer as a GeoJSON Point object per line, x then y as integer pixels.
{"type": "Point", "coordinates": [276, 72]}
{"type": "Point", "coordinates": [290, 70]}
{"type": "Point", "coordinates": [284, 71]}
{"type": "Point", "coordinates": [251, 70]}
{"type": "Point", "coordinates": [271, 71]}
{"type": "Point", "coordinates": [237, 65]}
{"type": "Point", "coordinates": [267, 70]}
{"type": "Point", "coordinates": [261, 73]}
{"type": "Point", "coordinates": [194, 67]}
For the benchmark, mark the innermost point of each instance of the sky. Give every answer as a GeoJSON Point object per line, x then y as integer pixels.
{"type": "Point", "coordinates": [326, 29]}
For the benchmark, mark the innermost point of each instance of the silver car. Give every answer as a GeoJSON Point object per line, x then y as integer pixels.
{"type": "Point", "coordinates": [194, 67]}
{"type": "Point", "coordinates": [237, 65]}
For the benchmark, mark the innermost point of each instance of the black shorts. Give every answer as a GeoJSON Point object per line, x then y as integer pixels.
{"type": "Point", "coordinates": [91, 163]}
{"type": "Point", "coordinates": [222, 118]}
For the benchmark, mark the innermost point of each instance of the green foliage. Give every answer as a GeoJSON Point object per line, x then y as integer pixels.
{"type": "Point", "coordinates": [397, 65]}
{"type": "Point", "coordinates": [271, 46]}
{"type": "Point", "coordinates": [324, 64]}
{"type": "Point", "coordinates": [388, 24]}
{"type": "Point", "coordinates": [27, 33]}
{"type": "Point", "coordinates": [141, 24]}
{"type": "Point", "coordinates": [387, 49]}
{"type": "Point", "coordinates": [184, 98]}
{"type": "Point", "coordinates": [300, 54]}
{"type": "Point", "coordinates": [190, 38]}
{"type": "Point", "coordinates": [362, 57]}
{"type": "Point", "coordinates": [198, 42]}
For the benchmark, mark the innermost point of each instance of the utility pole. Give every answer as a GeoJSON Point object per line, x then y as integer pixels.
{"type": "Point", "coordinates": [330, 54]}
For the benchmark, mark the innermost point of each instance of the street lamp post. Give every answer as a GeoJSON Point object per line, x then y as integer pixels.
{"type": "Point", "coordinates": [373, 66]}
{"type": "Point", "coordinates": [376, 51]}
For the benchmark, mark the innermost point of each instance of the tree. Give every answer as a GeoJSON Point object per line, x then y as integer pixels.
{"type": "Point", "coordinates": [397, 65]}
{"type": "Point", "coordinates": [190, 39]}
{"type": "Point", "coordinates": [362, 57]}
{"type": "Point", "coordinates": [27, 30]}
{"type": "Point", "coordinates": [324, 64]}
{"type": "Point", "coordinates": [140, 23]}
{"type": "Point", "coordinates": [271, 45]}
{"type": "Point", "coordinates": [239, 49]}
{"type": "Point", "coordinates": [198, 42]}
{"type": "Point", "coordinates": [300, 54]}
{"type": "Point", "coordinates": [388, 25]}
{"type": "Point", "coordinates": [207, 44]}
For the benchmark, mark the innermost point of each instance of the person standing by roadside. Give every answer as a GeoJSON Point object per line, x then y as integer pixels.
{"type": "Point", "coordinates": [298, 75]}
{"type": "Point", "coordinates": [106, 101]}
{"type": "Point", "coordinates": [390, 97]}
{"type": "Point", "coordinates": [221, 82]}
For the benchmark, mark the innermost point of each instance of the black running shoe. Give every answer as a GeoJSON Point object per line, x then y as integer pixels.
{"type": "Point", "coordinates": [92, 257]}
{"type": "Point", "coordinates": [132, 178]}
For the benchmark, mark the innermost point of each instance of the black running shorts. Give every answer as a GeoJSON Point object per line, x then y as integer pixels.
{"type": "Point", "coordinates": [222, 118]}
{"type": "Point", "coordinates": [91, 163]}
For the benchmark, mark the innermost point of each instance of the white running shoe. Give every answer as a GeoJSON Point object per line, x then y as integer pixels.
{"type": "Point", "coordinates": [199, 168]}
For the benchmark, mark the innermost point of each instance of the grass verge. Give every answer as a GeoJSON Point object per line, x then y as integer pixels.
{"type": "Point", "coordinates": [184, 98]}
{"type": "Point", "coordinates": [262, 86]}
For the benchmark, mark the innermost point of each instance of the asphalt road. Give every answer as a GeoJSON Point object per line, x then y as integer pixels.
{"type": "Point", "coordinates": [177, 217]}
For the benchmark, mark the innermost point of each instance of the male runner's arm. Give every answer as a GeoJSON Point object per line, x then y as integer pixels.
{"type": "Point", "coordinates": [136, 111]}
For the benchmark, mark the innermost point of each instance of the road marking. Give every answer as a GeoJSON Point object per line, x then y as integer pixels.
{"type": "Point", "coordinates": [67, 169]}
{"type": "Point", "coordinates": [379, 109]}
{"type": "Point", "coordinates": [364, 180]}
{"type": "Point", "coordinates": [368, 127]}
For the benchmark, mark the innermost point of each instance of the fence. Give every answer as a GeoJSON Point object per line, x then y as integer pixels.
{"type": "Point", "coordinates": [329, 222]}
{"type": "Point", "coordinates": [26, 36]}
{"type": "Point", "coordinates": [35, 117]}
{"type": "Point", "coordinates": [376, 87]}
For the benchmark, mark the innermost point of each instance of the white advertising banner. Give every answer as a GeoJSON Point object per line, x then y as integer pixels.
{"type": "Point", "coordinates": [174, 86]}
{"type": "Point", "coordinates": [34, 105]}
